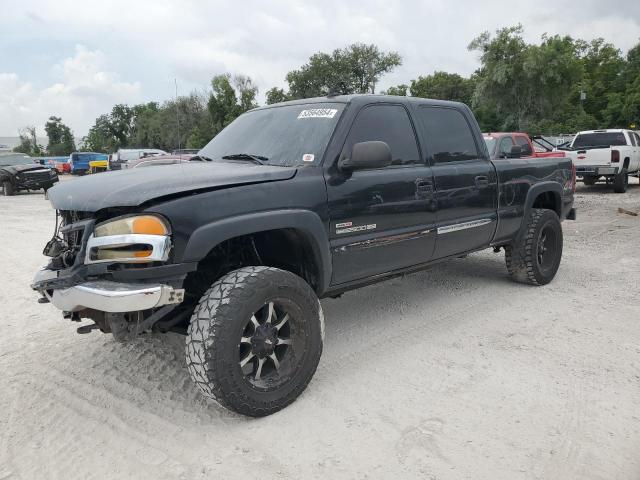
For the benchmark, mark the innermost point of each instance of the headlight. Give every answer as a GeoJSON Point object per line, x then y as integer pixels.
{"type": "Point", "coordinates": [140, 224]}
{"type": "Point", "coordinates": [136, 239]}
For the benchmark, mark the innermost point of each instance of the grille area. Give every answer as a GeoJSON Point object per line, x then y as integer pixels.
{"type": "Point", "coordinates": [36, 175]}
{"type": "Point", "coordinates": [68, 241]}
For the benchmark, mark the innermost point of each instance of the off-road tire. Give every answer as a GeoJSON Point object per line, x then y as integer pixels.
{"type": "Point", "coordinates": [522, 255]}
{"type": "Point", "coordinates": [7, 188]}
{"type": "Point", "coordinates": [589, 181]}
{"type": "Point", "coordinates": [621, 181]}
{"type": "Point", "coordinates": [215, 329]}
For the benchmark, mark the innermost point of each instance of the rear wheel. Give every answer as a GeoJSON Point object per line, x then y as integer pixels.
{"type": "Point", "coordinates": [7, 188]}
{"type": "Point", "coordinates": [621, 181]}
{"type": "Point", "coordinates": [255, 340]}
{"type": "Point", "coordinates": [534, 258]}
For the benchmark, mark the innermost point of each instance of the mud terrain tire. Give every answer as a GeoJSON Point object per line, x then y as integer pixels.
{"type": "Point", "coordinates": [534, 257]}
{"type": "Point", "coordinates": [621, 181]}
{"type": "Point", "coordinates": [233, 323]}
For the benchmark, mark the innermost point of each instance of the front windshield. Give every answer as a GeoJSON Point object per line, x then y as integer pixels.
{"type": "Point", "coordinates": [17, 159]}
{"type": "Point", "coordinates": [288, 135]}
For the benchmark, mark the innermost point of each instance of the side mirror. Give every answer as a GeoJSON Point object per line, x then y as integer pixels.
{"type": "Point", "coordinates": [516, 151]}
{"type": "Point", "coordinates": [365, 155]}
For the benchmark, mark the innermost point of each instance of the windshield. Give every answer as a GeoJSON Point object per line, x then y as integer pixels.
{"type": "Point", "coordinates": [599, 139]}
{"type": "Point", "coordinates": [491, 144]}
{"type": "Point", "coordinates": [286, 136]}
{"type": "Point", "coordinates": [18, 159]}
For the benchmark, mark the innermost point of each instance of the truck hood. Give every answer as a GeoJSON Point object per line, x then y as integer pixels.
{"type": "Point", "coordinates": [13, 169]}
{"type": "Point", "coordinates": [130, 188]}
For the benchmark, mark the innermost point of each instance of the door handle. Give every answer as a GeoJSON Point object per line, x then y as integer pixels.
{"type": "Point", "coordinates": [482, 181]}
{"type": "Point", "coordinates": [424, 185]}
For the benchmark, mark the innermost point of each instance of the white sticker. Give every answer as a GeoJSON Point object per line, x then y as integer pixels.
{"type": "Point", "coordinates": [308, 157]}
{"type": "Point", "coordinates": [318, 113]}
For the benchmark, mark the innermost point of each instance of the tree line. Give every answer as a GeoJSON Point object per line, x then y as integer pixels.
{"type": "Point", "coordinates": [559, 85]}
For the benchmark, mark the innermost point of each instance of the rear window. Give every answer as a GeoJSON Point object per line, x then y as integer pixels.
{"type": "Point", "coordinates": [599, 139]}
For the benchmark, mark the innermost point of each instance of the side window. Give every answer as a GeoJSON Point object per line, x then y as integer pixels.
{"type": "Point", "coordinates": [505, 147]}
{"type": "Point", "coordinates": [635, 139]}
{"type": "Point", "coordinates": [386, 123]}
{"type": "Point", "coordinates": [524, 145]}
{"type": "Point", "coordinates": [448, 134]}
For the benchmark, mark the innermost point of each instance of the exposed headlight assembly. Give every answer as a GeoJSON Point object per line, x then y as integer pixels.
{"type": "Point", "coordinates": [135, 239]}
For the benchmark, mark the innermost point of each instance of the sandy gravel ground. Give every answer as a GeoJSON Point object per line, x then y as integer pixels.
{"type": "Point", "coordinates": [452, 373]}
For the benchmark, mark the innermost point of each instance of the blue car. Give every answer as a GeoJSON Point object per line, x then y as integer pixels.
{"type": "Point", "coordinates": [80, 161]}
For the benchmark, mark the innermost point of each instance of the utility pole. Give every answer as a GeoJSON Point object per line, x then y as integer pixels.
{"type": "Point", "coordinates": [177, 112]}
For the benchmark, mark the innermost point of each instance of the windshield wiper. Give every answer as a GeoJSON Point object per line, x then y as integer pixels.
{"type": "Point", "coordinates": [201, 157]}
{"type": "Point", "coordinates": [258, 159]}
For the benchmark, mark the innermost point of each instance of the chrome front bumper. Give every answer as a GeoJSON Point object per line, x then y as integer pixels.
{"type": "Point", "coordinates": [112, 297]}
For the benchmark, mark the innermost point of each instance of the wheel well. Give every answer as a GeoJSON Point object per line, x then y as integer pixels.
{"type": "Point", "coordinates": [288, 249]}
{"type": "Point", "coordinates": [548, 200]}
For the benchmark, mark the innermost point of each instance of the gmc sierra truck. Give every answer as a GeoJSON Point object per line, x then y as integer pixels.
{"type": "Point", "coordinates": [291, 203]}
{"type": "Point", "coordinates": [611, 155]}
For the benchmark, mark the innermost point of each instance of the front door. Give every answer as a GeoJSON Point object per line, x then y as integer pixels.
{"type": "Point", "coordinates": [381, 219]}
{"type": "Point", "coordinates": [465, 181]}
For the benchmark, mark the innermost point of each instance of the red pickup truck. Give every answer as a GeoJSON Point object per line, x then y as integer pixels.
{"type": "Point", "coordinates": [517, 145]}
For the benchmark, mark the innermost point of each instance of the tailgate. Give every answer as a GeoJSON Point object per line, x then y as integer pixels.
{"type": "Point", "coordinates": [592, 157]}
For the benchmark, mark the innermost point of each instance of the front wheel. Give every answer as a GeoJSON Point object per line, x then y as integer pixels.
{"type": "Point", "coordinates": [255, 340]}
{"type": "Point", "coordinates": [534, 257]}
{"type": "Point", "coordinates": [7, 188]}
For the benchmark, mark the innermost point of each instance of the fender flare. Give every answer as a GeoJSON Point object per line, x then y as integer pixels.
{"type": "Point", "coordinates": [207, 236]}
{"type": "Point", "coordinates": [534, 192]}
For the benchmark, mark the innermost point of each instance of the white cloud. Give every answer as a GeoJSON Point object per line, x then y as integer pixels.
{"type": "Point", "coordinates": [151, 42]}
{"type": "Point", "coordinates": [83, 90]}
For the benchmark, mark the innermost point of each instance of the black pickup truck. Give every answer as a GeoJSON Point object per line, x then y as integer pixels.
{"type": "Point", "coordinates": [293, 202]}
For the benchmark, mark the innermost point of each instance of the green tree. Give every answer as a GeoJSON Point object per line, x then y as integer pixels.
{"type": "Point", "coordinates": [29, 142]}
{"type": "Point", "coordinates": [354, 69]}
{"type": "Point", "coordinates": [276, 95]}
{"type": "Point", "coordinates": [61, 140]}
{"type": "Point", "coordinates": [443, 86]}
{"type": "Point", "coordinates": [523, 83]}
{"type": "Point", "coordinates": [398, 90]}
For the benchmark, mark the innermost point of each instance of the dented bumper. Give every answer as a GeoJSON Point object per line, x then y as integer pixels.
{"type": "Point", "coordinates": [108, 296]}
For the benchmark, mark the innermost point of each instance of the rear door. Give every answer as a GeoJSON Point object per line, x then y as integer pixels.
{"type": "Point", "coordinates": [381, 219]}
{"type": "Point", "coordinates": [465, 181]}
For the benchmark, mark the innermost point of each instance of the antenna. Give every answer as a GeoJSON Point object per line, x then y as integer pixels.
{"type": "Point", "coordinates": [177, 112]}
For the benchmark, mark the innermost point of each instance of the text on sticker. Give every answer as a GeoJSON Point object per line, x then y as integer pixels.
{"type": "Point", "coordinates": [318, 113]}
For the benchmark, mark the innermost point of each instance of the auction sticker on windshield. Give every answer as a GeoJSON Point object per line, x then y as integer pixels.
{"type": "Point", "coordinates": [318, 113]}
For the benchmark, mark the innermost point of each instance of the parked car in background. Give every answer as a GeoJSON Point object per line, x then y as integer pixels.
{"type": "Point", "coordinates": [517, 145]}
{"type": "Point", "coordinates": [20, 172]}
{"type": "Point", "coordinates": [79, 161]}
{"type": "Point", "coordinates": [102, 165]}
{"type": "Point", "coordinates": [50, 162]}
{"type": "Point", "coordinates": [126, 154]}
{"type": "Point", "coordinates": [63, 166]}
{"type": "Point", "coordinates": [185, 151]}
{"type": "Point", "coordinates": [157, 160]}
{"type": "Point", "coordinates": [610, 155]}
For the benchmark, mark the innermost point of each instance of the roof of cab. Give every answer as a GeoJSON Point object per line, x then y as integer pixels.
{"type": "Point", "coordinates": [364, 98]}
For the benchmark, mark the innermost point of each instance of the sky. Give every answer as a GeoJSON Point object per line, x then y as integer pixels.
{"type": "Point", "coordinates": [76, 59]}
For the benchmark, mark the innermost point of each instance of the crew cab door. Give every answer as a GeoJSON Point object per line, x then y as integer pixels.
{"type": "Point", "coordinates": [465, 181]}
{"type": "Point", "coordinates": [381, 219]}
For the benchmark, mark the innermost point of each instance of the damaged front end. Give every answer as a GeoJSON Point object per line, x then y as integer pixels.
{"type": "Point", "coordinates": [113, 272]}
